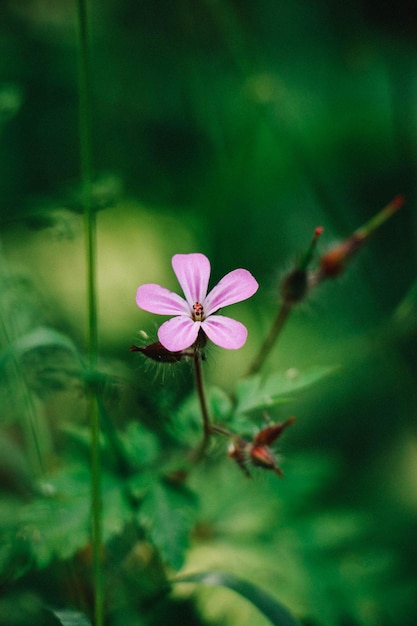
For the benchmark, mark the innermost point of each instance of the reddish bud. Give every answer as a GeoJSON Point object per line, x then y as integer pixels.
{"type": "Point", "coordinates": [268, 435]}
{"type": "Point", "coordinates": [157, 352]}
{"type": "Point", "coordinates": [263, 457]}
{"type": "Point", "coordinates": [258, 452]}
{"type": "Point", "coordinates": [239, 452]}
{"type": "Point", "coordinates": [333, 262]}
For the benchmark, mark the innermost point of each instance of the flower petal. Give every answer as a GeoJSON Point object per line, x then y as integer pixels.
{"type": "Point", "coordinates": [234, 287]}
{"type": "Point", "coordinates": [193, 273]}
{"type": "Point", "coordinates": [225, 332]}
{"type": "Point", "coordinates": [157, 299]}
{"type": "Point", "coordinates": [178, 333]}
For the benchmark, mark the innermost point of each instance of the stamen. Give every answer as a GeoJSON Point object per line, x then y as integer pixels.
{"type": "Point", "coordinates": [198, 314]}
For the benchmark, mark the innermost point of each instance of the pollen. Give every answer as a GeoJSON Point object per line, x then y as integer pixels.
{"type": "Point", "coordinates": [198, 312]}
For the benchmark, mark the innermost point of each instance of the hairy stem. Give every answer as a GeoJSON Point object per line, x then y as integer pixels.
{"type": "Point", "coordinates": [92, 334]}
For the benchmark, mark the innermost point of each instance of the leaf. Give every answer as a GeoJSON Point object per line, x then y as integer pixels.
{"type": "Point", "coordinates": [46, 360]}
{"type": "Point", "coordinates": [168, 513]}
{"type": "Point", "coordinates": [271, 608]}
{"type": "Point", "coordinates": [187, 424]}
{"type": "Point", "coordinates": [58, 525]}
{"type": "Point", "coordinates": [67, 617]}
{"type": "Point", "coordinates": [220, 405]}
{"type": "Point", "coordinates": [139, 444]}
{"type": "Point", "coordinates": [256, 393]}
{"type": "Point", "coordinates": [42, 337]}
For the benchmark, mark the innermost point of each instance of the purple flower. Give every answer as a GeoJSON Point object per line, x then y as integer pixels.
{"type": "Point", "coordinates": [196, 311]}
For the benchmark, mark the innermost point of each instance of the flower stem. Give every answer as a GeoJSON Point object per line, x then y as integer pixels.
{"type": "Point", "coordinates": [207, 428]}
{"type": "Point", "coordinates": [271, 338]}
{"type": "Point", "coordinates": [92, 333]}
{"type": "Point", "coordinates": [294, 289]}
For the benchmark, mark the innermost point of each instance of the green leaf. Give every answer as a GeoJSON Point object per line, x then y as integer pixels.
{"type": "Point", "coordinates": [256, 393]}
{"type": "Point", "coordinates": [168, 513]}
{"type": "Point", "coordinates": [187, 423]}
{"type": "Point", "coordinates": [71, 618]}
{"type": "Point", "coordinates": [219, 403]}
{"type": "Point", "coordinates": [271, 608]}
{"type": "Point", "coordinates": [58, 525]}
{"type": "Point", "coordinates": [42, 337]}
{"type": "Point", "coordinates": [139, 444]}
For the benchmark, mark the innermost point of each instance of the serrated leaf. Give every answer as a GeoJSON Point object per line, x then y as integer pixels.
{"type": "Point", "coordinates": [58, 525]}
{"type": "Point", "coordinates": [71, 618]}
{"type": "Point", "coordinates": [257, 393]}
{"type": "Point", "coordinates": [168, 513]}
{"type": "Point", "coordinates": [271, 608]}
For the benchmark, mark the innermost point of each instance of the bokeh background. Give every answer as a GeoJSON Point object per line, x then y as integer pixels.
{"type": "Point", "coordinates": [234, 128]}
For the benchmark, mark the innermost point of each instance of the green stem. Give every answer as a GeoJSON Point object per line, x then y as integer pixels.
{"type": "Point", "coordinates": [271, 338]}
{"type": "Point", "coordinates": [215, 428]}
{"type": "Point", "coordinates": [92, 336]}
{"type": "Point", "coordinates": [207, 429]}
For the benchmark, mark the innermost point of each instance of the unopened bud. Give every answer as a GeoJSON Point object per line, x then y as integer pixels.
{"type": "Point", "coordinates": [258, 452]}
{"type": "Point", "coordinates": [268, 435]}
{"type": "Point", "coordinates": [263, 457]}
{"type": "Point", "coordinates": [295, 284]}
{"type": "Point", "coordinates": [239, 452]}
{"type": "Point", "coordinates": [333, 263]}
{"type": "Point", "coordinates": [157, 352]}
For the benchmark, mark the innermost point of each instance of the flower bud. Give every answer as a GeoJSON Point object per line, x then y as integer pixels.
{"type": "Point", "coordinates": [295, 284]}
{"type": "Point", "coordinates": [268, 435]}
{"type": "Point", "coordinates": [258, 452]}
{"type": "Point", "coordinates": [263, 457]}
{"type": "Point", "coordinates": [158, 353]}
{"type": "Point", "coordinates": [333, 262]}
{"type": "Point", "coordinates": [239, 452]}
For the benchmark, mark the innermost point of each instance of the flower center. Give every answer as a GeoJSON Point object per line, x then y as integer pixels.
{"type": "Point", "coordinates": [198, 312]}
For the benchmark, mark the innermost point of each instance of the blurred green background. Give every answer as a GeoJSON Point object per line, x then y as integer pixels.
{"type": "Point", "coordinates": [234, 128]}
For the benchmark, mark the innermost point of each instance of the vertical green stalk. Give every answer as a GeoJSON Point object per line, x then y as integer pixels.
{"type": "Point", "coordinates": [92, 334]}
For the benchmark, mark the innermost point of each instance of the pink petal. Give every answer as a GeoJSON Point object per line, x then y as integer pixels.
{"type": "Point", "coordinates": [234, 287]}
{"type": "Point", "coordinates": [193, 273]}
{"type": "Point", "coordinates": [178, 333]}
{"type": "Point", "coordinates": [157, 299]}
{"type": "Point", "coordinates": [225, 332]}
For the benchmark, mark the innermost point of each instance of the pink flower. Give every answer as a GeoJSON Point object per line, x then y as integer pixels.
{"type": "Point", "coordinates": [196, 311]}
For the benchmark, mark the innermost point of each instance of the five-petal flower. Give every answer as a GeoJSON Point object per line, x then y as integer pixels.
{"type": "Point", "coordinates": [196, 311]}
